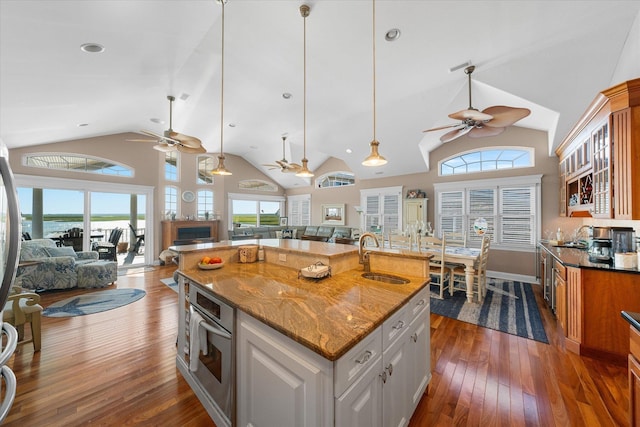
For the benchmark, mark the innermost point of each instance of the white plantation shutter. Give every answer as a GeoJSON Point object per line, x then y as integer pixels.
{"type": "Point", "coordinates": [482, 204]}
{"type": "Point", "coordinates": [511, 207]}
{"type": "Point", "coordinates": [382, 208]}
{"type": "Point", "coordinates": [451, 212]}
{"type": "Point", "coordinates": [517, 223]}
{"type": "Point", "coordinates": [299, 210]}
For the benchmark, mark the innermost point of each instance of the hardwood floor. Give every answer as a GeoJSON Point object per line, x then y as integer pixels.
{"type": "Point", "coordinates": [118, 368]}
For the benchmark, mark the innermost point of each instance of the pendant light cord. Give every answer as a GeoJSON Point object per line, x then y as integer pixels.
{"type": "Point", "coordinates": [304, 89]}
{"type": "Point", "coordinates": [222, 86]}
{"type": "Point", "coordinates": [374, 67]}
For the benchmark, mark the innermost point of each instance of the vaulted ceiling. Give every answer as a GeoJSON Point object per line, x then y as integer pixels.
{"type": "Point", "coordinates": [549, 56]}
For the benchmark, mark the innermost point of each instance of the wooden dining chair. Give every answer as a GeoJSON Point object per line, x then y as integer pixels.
{"type": "Point", "coordinates": [439, 273]}
{"type": "Point", "coordinates": [459, 276]}
{"type": "Point", "coordinates": [456, 239]}
{"type": "Point", "coordinates": [397, 241]}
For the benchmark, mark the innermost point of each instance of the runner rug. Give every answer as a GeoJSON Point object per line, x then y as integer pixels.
{"type": "Point", "coordinates": [93, 302]}
{"type": "Point", "coordinates": [511, 309]}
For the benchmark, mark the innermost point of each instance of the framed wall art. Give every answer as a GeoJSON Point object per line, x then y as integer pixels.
{"type": "Point", "coordinates": [333, 214]}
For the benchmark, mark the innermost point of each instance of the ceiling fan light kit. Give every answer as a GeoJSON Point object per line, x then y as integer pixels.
{"type": "Point", "coordinates": [221, 169]}
{"type": "Point", "coordinates": [284, 164]}
{"type": "Point", "coordinates": [374, 158]}
{"type": "Point", "coordinates": [304, 172]}
{"type": "Point", "coordinates": [491, 121]}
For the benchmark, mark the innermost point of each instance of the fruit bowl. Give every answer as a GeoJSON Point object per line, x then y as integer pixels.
{"type": "Point", "coordinates": [210, 266]}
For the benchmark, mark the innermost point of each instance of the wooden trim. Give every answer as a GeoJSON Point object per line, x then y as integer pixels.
{"type": "Point", "coordinates": [623, 95]}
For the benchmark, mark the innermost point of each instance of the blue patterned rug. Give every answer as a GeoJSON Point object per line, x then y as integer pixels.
{"type": "Point", "coordinates": [500, 310]}
{"type": "Point", "coordinates": [170, 283]}
{"type": "Point", "coordinates": [93, 302]}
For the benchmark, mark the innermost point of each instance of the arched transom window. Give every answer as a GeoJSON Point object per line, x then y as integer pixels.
{"type": "Point", "coordinates": [487, 159]}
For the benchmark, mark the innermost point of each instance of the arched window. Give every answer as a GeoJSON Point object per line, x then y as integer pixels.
{"type": "Point", "coordinates": [487, 159]}
{"type": "Point", "coordinates": [205, 166]}
{"type": "Point", "coordinates": [76, 163]}
{"type": "Point", "coordinates": [335, 179]}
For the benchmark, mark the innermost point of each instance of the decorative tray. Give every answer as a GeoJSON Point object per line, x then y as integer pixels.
{"type": "Point", "coordinates": [315, 271]}
{"type": "Point", "coordinates": [210, 266]}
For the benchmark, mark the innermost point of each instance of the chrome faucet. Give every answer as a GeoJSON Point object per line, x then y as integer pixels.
{"type": "Point", "coordinates": [364, 257]}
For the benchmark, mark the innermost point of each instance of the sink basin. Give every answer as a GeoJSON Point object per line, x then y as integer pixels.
{"type": "Point", "coordinates": [386, 278]}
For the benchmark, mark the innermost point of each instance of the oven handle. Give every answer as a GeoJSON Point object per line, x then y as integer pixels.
{"type": "Point", "coordinates": [213, 328]}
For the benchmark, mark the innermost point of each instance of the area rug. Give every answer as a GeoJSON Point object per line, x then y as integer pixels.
{"type": "Point", "coordinates": [170, 283]}
{"type": "Point", "coordinates": [500, 310]}
{"type": "Point", "coordinates": [93, 302]}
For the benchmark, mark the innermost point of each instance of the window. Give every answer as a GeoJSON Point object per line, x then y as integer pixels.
{"type": "Point", "coordinates": [250, 210]}
{"type": "Point", "coordinates": [205, 166]}
{"type": "Point", "coordinates": [382, 209]}
{"type": "Point", "coordinates": [76, 163]}
{"type": "Point", "coordinates": [171, 166]}
{"type": "Point", "coordinates": [511, 207]}
{"type": "Point", "coordinates": [299, 209]}
{"type": "Point", "coordinates": [170, 201]}
{"type": "Point", "coordinates": [487, 159]}
{"type": "Point", "coordinates": [205, 204]}
{"type": "Point", "coordinates": [335, 179]}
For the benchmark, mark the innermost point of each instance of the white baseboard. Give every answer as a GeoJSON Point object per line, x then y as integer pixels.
{"type": "Point", "coordinates": [514, 277]}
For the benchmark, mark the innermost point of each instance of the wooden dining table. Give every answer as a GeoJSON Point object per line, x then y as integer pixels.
{"type": "Point", "coordinates": [459, 255]}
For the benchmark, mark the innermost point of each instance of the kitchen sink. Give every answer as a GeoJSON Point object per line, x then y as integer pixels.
{"type": "Point", "coordinates": [386, 278]}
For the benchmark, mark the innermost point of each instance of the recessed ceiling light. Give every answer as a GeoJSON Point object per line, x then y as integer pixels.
{"type": "Point", "coordinates": [184, 96]}
{"type": "Point", "coordinates": [287, 95]}
{"type": "Point", "coordinates": [379, 173]}
{"type": "Point", "coordinates": [392, 35]}
{"type": "Point", "coordinates": [159, 121]}
{"type": "Point", "coordinates": [82, 124]}
{"type": "Point", "coordinates": [349, 150]}
{"type": "Point", "coordinates": [92, 48]}
{"type": "Point", "coordinates": [232, 125]}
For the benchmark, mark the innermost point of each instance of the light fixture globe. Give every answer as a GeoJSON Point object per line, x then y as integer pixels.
{"type": "Point", "coordinates": [221, 169]}
{"type": "Point", "coordinates": [304, 172]}
{"type": "Point", "coordinates": [374, 159]}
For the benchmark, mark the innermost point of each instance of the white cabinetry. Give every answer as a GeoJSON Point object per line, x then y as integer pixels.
{"type": "Point", "coordinates": [414, 210]}
{"type": "Point", "coordinates": [379, 382]}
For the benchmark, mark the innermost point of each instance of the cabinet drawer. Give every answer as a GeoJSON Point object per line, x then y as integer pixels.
{"type": "Point", "coordinates": [418, 303]}
{"type": "Point", "coordinates": [561, 270]}
{"type": "Point", "coordinates": [634, 343]}
{"type": "Point", "coordinates": [356, 361]}
{"type": "Point", "coordinates": [394, 326]}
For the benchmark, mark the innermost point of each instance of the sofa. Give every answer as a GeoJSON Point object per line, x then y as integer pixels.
{"type": "Point", "coordinates": [44, 266]}
{"type": "Point", "coordinates": [323, 233]}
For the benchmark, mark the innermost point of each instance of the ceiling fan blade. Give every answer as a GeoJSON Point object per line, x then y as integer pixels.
{"type": "Point", "coordinates": [456, 133]}
{"type": "Point", "coordinates": [471, 114]}
{"type": "Point", "coordinates": [442, 127]}
{"type": "Point", "coordinates": [162, 137]}
{"type": "Point", "coordinates": [505, 116]}
{"type": "Point", "coordinates": [191, 150]}
{"type": "Point", "coordinates": [141, 140]}
{"type": "Point", "coordinates": [485, 131]}
{"type": "Point", "coordinates": [189, 141]}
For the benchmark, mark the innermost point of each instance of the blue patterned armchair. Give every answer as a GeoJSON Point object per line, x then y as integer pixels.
{"type": "Point", "coordinates": [46, 266]}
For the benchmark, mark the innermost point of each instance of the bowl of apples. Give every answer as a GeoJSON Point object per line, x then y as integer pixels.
{"type": "Point", "coordinates": [210, 263]}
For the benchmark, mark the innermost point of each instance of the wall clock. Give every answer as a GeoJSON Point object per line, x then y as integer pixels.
{"type": "Point", "coordinates": [188, 196]}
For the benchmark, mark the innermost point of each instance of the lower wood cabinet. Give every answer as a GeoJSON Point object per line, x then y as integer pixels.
{"type": "Point", "coordinates": [634, 377]}
{"type": "Point", "coordinates": [379, 382]}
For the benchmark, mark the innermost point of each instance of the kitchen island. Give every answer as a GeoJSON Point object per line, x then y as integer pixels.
{"type": "Point", "coordinates": [343, 350]}
{"type": "Point", "coordinates": [589, 297]}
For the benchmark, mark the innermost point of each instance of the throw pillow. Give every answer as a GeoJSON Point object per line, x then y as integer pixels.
{"type": "Point", "coordinates": [355, 233]}
{"type": "Point", "coordinates": [62, 251]}
{"type": "Point", "coordinates": [278, 234]}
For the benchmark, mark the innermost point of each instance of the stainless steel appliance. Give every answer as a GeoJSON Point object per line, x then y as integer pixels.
{"type": "Point", "coordinates": [622, 240]}
{"type": "Point", "coordinates": [212, 349]}
{"type": "Point", "coordinates": [600, 245]}
{"type": "Point", "coordinates": [10, 237]}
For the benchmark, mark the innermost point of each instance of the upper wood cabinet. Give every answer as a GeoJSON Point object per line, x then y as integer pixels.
{"type": "Point", "coordinates": [599, 159]}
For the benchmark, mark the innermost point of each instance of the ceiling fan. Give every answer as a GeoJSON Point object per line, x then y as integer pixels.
{"type": "Point", "coordinates": [170, 140]}
{"type": "Point", "coordinates": [490, 122]}
{"type": "Point", "coordinates": [284, 164]}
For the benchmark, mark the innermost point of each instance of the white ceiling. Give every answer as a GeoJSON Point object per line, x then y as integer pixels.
{"type": "Point", "coordinates": [550, 56]}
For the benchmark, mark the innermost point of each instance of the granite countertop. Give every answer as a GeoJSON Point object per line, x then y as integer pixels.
{"type": "Point", "coordinates": [573, 257]}
{"type": "Point", "coordinates": [329, 316]}
{"type": "Point", "coordinates": [632, 318]}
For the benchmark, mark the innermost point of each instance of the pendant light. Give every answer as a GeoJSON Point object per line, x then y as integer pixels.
{"type": "Point", "coordinates": [221, 169]}
{"type": "Point", "coordinates": [305, 172]}
{"type": "Point", "coordinates": [374, 158]}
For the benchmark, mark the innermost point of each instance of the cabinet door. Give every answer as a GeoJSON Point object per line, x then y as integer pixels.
{"type": "Point", "coordinates": [414, 210]}
{"type": "Point", "coordinates": [561, 301]}
{"type": "Point", "coordinates": [395, 396]}
{"type": "Point", "coordinates": [361, 404]}
{"type": "Point", "coordinates": [601, 172]}
{"type": "Point", "coordinates": [419, 358]}
{"type": "Point", "coordinates": [279, 382]}
{"type": "Point", "coordinates": [626, 181]}
{"type": "Point", "coordinates": [634, 392]}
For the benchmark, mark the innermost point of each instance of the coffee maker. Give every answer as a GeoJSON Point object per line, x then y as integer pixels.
{"type": "Point", "coordinates": [600, 249]}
